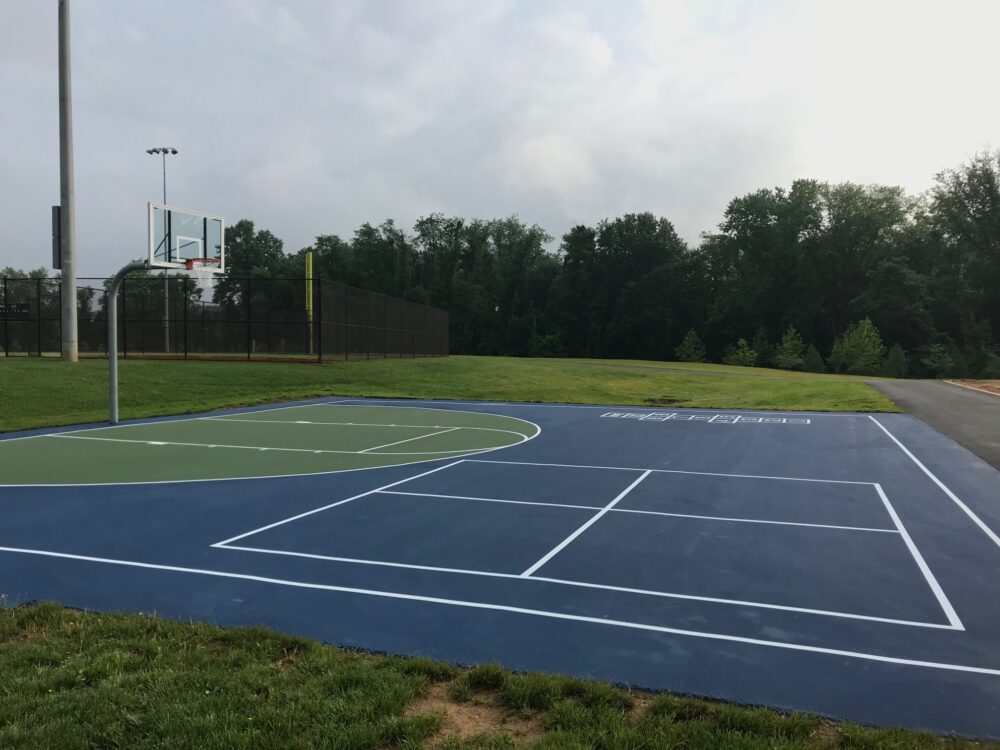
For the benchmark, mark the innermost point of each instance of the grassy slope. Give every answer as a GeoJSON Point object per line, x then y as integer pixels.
{"type": "Point", "coordinates": [75, 680]}
{"type": "Point", "coordinates": [43, 392]}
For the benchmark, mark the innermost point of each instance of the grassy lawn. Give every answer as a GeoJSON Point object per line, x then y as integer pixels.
{"type": "Point", "coordinates": [79, 680]}
{"type": "Point", "coordinates": [43, 392]}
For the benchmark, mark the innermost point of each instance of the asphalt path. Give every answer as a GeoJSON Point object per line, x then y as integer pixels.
{"type": "Point", "coordinates": [970, 418]}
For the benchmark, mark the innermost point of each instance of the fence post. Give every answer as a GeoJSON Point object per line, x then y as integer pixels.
{"type": "Point", "coordinates": [38, 317]}
{"type": "Point", "coordinates": [6, 318]}
{"type": "Point", "coordinates": [249, 331]}
{"type": "Point", "coordinates": [318, 293]}
{"type": "Point", "coordinates": [346, 324]}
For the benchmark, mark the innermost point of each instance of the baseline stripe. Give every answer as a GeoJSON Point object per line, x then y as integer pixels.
{"type": "Point", "coordinates": [587, 585]}
{"type": "Point", "coordinates": [519, 610]}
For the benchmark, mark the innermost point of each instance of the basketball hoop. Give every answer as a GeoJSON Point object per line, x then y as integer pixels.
{"type": "Point", "coordinates": [203, 264]}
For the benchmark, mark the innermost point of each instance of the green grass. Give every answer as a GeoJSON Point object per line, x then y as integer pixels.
{"type": "Point", "coordinates": [43, 392]}
{"type": "Point", "coordinates": [71, 680]}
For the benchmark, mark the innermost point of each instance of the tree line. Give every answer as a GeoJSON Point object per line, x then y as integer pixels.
{"type": "Point", "coordinates": [841, 277]}
{"type": "Point", "coordinates": [827, 277]}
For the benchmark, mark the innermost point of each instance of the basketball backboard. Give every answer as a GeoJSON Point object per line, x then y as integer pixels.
{"type": "Point", "coordinates": [181, 238]}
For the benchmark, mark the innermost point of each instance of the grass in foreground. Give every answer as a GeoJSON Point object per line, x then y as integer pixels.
{"type": "Point", "coordinates": [70, 680]}
{"type": "Point", "coordinates": [44, 392]}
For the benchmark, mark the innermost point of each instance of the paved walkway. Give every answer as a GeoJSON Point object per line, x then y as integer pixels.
{"type": "Point", "coordinates": [969, 417]}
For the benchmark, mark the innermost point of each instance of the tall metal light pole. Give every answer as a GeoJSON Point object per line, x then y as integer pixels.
{"type": "Point", "coordinates": [67, 228]}
{"type": "Point", "coordinates": [163, 151]}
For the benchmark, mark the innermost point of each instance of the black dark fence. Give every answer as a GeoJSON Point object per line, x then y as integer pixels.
{"type": "Point", "coordinates": [246, 318]}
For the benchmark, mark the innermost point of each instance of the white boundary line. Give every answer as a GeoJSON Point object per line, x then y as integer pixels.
{"type": "Point", "coordinates": [972, 388]}
{"type": "Point", "coordinates": [333, 505]}
{"type": "Point", "coordinates": [696, 410]}
{"type": "Point", "coordinates": [418, 437]}
{"type": "Point", "coordinates": [939, 594]}
{"type": "Point", "coordinates": [596, 586]}
{"type": "Point", "coordinates": [154, 421]}
{"type": "Point", "coordinates": [636, 510]}
{"type": "Point", "coordinates": [518, 610]}
{"type": "Point", "coordinates": [668, 471]}
{"type": "Point", "coordinates": [594, 519]}
{"type": "Point", "coordinates": [364, 424]}
{"type": "Point", "coordinates": [265, 448]}
{"type": "Point", "coordinates": [968, 511]}
{"type": "Point", "coordinates": [527, 438]}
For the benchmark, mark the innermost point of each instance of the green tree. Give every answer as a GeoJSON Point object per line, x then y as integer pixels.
{"type": "Point", "coordinates": [791, 352]}
{"type": "Point", "coordinates": [936, 361]}
{"type": "Point", "coordinates": [859, 350]}
{"type": "Point", "coordinates": [741, 354]}
{"type": "Point", "coordinates": [896, 364]}
{"type": "Point", "coordinates": [813, 360]}
{"type": "Point", "coordinates": [691, 349]}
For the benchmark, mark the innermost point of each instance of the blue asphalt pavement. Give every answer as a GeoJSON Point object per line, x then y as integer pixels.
{"type": "Point", "coordinates": [839, 564]}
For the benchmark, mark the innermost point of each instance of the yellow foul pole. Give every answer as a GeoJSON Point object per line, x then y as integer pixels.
{"type": "Point", "coordinates": [309, 296]}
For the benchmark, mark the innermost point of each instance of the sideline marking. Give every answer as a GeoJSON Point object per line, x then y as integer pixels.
{"type": "Point", "coordinates": [333, 505]}
{"type": "Point", "coordinates": [666, 471]}
{"type": "Point", "coordinates": [418, 437]}
{"type": "Point", "coordinates": [968, 511]}
{"type": "Point", "coordinates": [635, 510]}
{"type": "Point", "coordinates": [517, 610]}
{"type": "Point", "coordinates": [939, 594]}
{"type": "Point", "coordinates": [443, 454]}
{"type": "Point", "coordinates": [594, 519]}
{"type": "Point", "coordinates": [697, 410]}
{"type": "Point", "coordinates": [597, 586]}
{"type": "Point", "coordinates": [367, 424]}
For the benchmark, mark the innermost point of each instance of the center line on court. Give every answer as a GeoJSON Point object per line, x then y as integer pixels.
{"type": "Point", "coordinates": [594, 519]}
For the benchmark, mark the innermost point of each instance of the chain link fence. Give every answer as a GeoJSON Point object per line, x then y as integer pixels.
{"type": "Point", "coordinates": [229, 318]}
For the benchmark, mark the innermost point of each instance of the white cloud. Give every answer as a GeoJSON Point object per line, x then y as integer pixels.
{"type": "Point", "coordinates": [312, 117]}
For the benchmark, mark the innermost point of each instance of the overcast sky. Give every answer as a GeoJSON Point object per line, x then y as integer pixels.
{"type": "Point", "coordinates": [314, 116]}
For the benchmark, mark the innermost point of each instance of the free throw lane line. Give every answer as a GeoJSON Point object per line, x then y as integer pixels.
{"type": "Point", "coordinates": [409, 440]}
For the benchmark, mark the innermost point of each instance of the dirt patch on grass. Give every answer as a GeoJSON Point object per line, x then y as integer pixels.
{"type": "Point", "coordinates": [482, 714]}
{"type": "Point", "coordinates": [993, 386]}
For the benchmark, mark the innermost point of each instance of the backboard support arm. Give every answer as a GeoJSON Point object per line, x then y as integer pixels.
{"type": "Point", "coordinates": [112, 303]}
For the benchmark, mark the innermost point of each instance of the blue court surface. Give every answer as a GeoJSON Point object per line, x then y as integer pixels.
{"type": "Point", "coordinates": [840, 564]}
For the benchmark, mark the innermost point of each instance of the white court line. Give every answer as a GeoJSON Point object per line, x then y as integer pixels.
{"type": "Point", "coordinates": [667, 471]}
{"type": "Point", "coordinates": [605, 407]}
{"type": "Point", "coordinates": [332, 505]}
{"type": "Point", "coordinates": [490, 500]}
{"type": "Point", "coordinates": [939, 594]}
{"type": "Point", "coordinates": [968, 511]}
{"type": "Point", "coordinates": [596, 586]}
{"type": "Point", "coordinates": [596, 517]}
{"type": "Point", "coordinates": [643, 512]}
{"type": "Point", "coordinates": [365, 424]}
{"type": "Point", "coordinates": [519, 610]}
{"type": "Point", "coordinates": [142, 421]}
{"type": "Point", "coordinates": [268, 448]}
{"type": "Point", "coordinates": [418, 437]}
